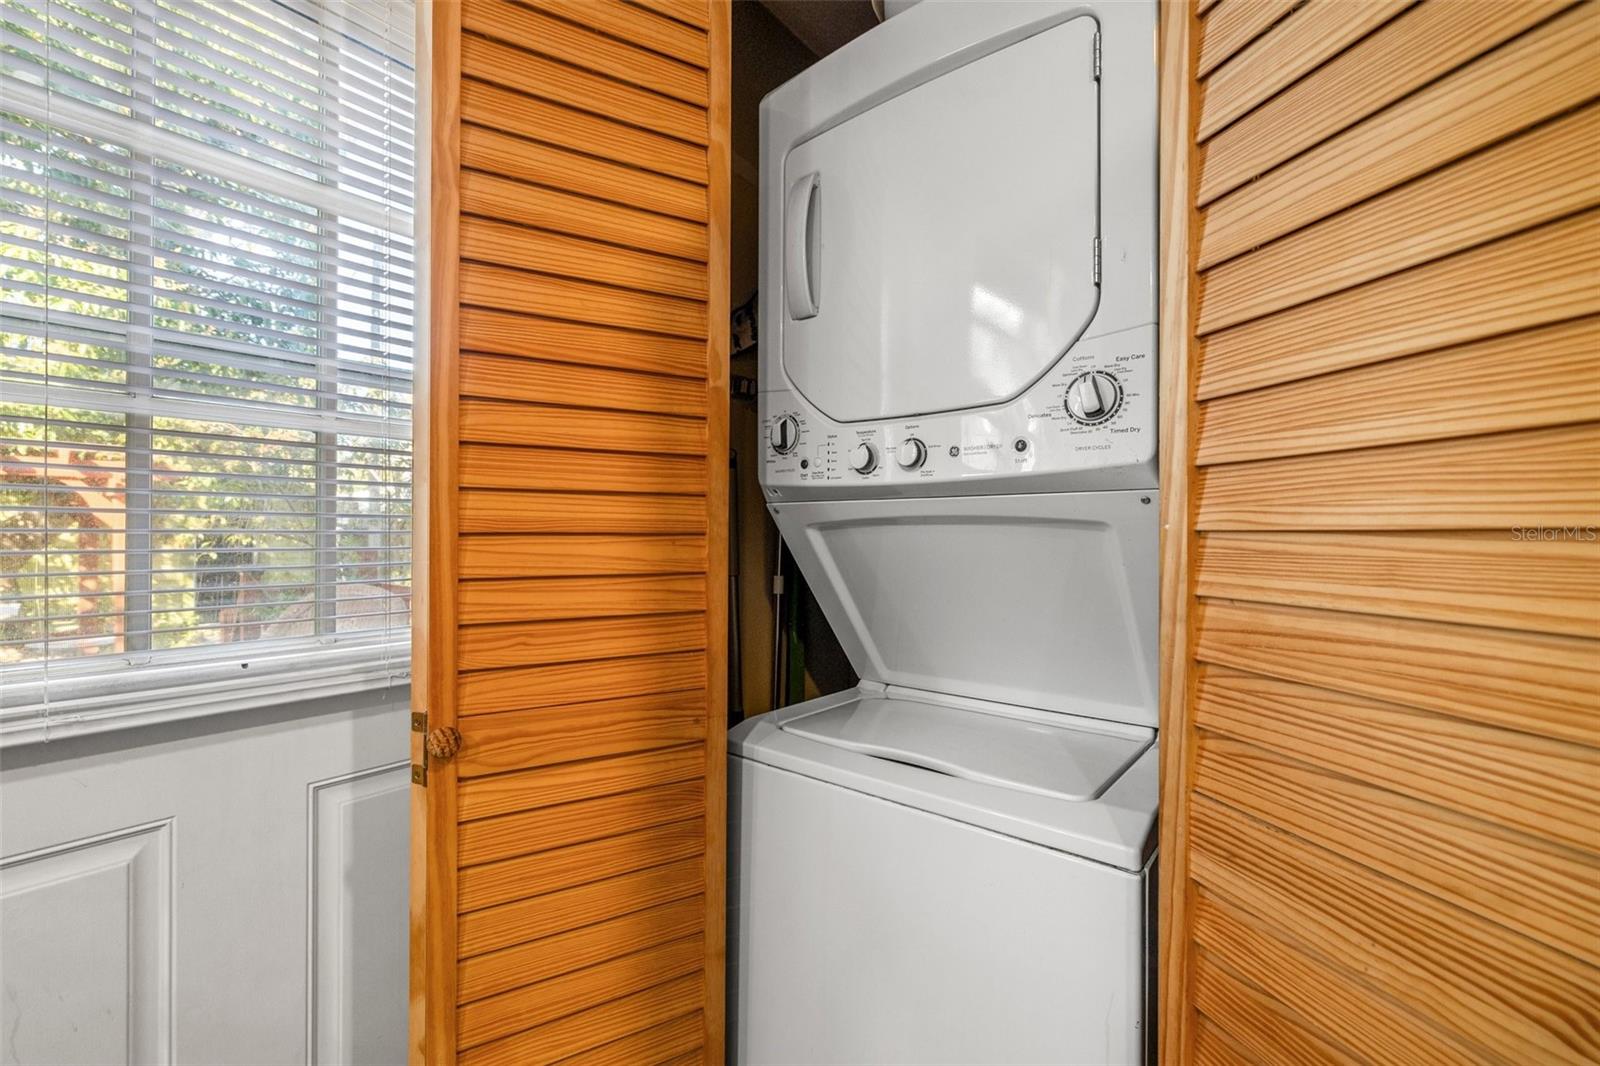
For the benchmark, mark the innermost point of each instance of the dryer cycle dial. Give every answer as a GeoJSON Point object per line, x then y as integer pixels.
{"type": "Point", "coordinates": [1093, 397]}
{"type": "Point", "coordinates": [785, 434]}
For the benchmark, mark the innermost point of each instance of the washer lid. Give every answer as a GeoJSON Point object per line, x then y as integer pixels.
{"type": "Point", "coordinates": [1116, 827]}
{"type": "Point", "coordinates": [939, 248]}
{"type": "Point", "coordinates": [1048, 760]}
{"type": "Point", "coordinates": [1047, 601]}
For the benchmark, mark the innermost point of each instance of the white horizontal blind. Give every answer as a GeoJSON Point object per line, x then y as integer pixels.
{"type": "Point", "coordinates": [206, 325]}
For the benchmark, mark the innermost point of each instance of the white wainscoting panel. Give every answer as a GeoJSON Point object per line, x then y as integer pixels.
{"type": "Point", "coordinates": [86, 931]}
{"type": "Point", "coordinates": [185, 940]}
{"type": "Point", "coordinates": [359, 914]}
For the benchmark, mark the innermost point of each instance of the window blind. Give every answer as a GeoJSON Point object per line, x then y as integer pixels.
{"type": "Point", "coordinates": [206, 326]}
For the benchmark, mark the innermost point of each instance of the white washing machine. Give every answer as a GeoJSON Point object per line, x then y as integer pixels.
{"type": "Point", "coordinates": [954, 862]}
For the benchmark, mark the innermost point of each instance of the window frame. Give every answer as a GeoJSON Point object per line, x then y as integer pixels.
{"type": "Point", "coordinates": [190, 683]}
{"type": "Point", "coordinates": [45, 700]}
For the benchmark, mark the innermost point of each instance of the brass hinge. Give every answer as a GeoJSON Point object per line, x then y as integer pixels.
{"type": "Point", "coordinates": [1097, 260]}
{"type": "Point", "coordinates": [1097, 57]}
{"type": "Point", "coordinates": [419, 771]}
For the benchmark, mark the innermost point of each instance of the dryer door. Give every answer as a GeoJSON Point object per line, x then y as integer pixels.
{"type": "Point", "coordinates": [939, 247]}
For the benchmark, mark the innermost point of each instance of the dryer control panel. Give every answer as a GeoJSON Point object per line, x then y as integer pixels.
{"type": "Point", "coordinates": [1088, 424]}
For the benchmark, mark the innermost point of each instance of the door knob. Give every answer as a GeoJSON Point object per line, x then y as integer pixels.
{"type": "Point", "coordinates": [443, 743]}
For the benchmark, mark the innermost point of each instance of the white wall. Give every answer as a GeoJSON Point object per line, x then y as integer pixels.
{"type": "Point", "coordinates": [230, 889]}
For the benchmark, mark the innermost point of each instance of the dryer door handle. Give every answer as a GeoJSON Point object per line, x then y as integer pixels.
{"type": "Point", "coordinates": [802, 246]}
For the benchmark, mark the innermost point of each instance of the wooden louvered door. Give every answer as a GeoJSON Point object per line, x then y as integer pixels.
{"type": "Point", "coordinates": [1381, 620]}
{"type": "Point", "coordinates": [570, 647]}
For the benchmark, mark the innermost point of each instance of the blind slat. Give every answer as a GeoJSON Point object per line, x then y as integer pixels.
{"type": "Point", "coordinates": [207, 324]}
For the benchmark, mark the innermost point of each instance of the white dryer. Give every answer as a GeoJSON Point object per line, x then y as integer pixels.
{"type": "Point", "coordinates": [954, 862]}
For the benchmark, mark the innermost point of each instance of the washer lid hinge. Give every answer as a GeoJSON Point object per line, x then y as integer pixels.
{"type": "Point", "coordinates": [1096, 57]}
{"type": "Point", "coordinates": [1097, 260]}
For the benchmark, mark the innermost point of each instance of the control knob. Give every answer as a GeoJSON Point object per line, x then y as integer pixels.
{"type": "Point", "coordinates": [911, 454]}
{"type": "Point", "coordinates": [785, 434]}
{"type": "Point", "coordinates": [1093, 397]}
{"type": "Point", "coordinates": [864, 458]}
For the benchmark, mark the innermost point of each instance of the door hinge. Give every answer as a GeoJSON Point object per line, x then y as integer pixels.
{"type": "Point", "coordinates": [1097, 57]}
{"type": "Point", "coordinates": [419, 771]}
{"type": "Point", "coordinates": [1097, 260]}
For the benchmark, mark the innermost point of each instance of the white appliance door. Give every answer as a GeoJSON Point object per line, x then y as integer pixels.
{"type": "Point", "coordinates": [867, 932]}
{"type": "Point", "coordinates": [939, 247]}
{"type": "Point", "coordinates": [1047, 601]}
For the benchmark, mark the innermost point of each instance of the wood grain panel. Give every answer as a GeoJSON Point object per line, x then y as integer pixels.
{"type": "Point", "coordinates": [1440, 394]}
{"type": "Point", "coordinates": [674, 1043]}
{"type": "Point", "coordinates": [1532, 179]}
{"type": "Point", "coordinates": [560, 83]}
{"type": "Point", "coordinates": [1431, 39]}
{"type": "Point", "coordinates": [543, 164]}
{"type": "Point", "coordinates": [538, 643]}
{"type": "Point", "coordinates": [484, 511]}
{"type": "Point", "coordinates": [543, 599]}
{"type": "Point", "coordinates": [688, 11]}
{"type": "Point", "coordinates": [1529, 80]}
{"type": "Point", "coordinates": [1510, 995]}
{"type": "Point", "coordinates": [569, 385]}
{"type": "Point", "coordinates": [550, 470]}
{"type": "Point", "coordinates": [1213, 1047]}
{"type": "Point", "coordinates": [592, 1028]}
{"type": "Point", "coordinates": [500, 422]}
{"type": "Point", "coordinates": [543, 781]}
{"type": "Point", "coordinates": [719, 310]}
{"type": "Point", "coordinates": [1176, 33]}
{"type": "Point", "coordinates": [501, 289]}
{"type": "Point", "coordinates": [501, 244]}
{"type": "Point", "coordinates": [1316, 31]}
{"type": "Point", "coordinates": [1256, 1022]}
{"type": "Point", "coordinates": [1521, 782]}
{"type": "Point", "coordinates": [498, 1016]}
{"type": "Point", "coordinates": [570, 732]}
{"type": "Point", "coordinates": [525, 832]}
{"type": "Point", "coordinates": [1546, 477]}
{"type": "Point", "coordinates": [1380, 472]}
{"type": "Point", "coordinates": [1500, 876]}
{"type": "Point", "coordinates": [1316, 988]}
{"type": "Point", "coordinates": [1234, 24]}
{"type": "Point", "coordinates": [1538, 277]}
{"type": "Point", "coordinates": [496, 107]}
{"type": "Point", "coordinates": [565, 212]}
{"type": "Point", "coordinates": [540, 960]}
{"type": "Point", "coordinates": [1483, 579]}
{"type": "Point", "coordinates": [577, 534]}
{"type": "Point", "coordinates": [431, 947]}
{"type": "Point", "coordinates": [550, 871]}
{"type": "Point", "coordinates": [1522, 682]}
{"type": "Point", "coordinates": [536, 31]}
{"type": "Point", "coordinates": [497, 691]}
{"type": "Point", "coordinates": [530, 919]}
{"type": "Point", "coordinates": [579, 555]}
{"type": "Point", "coordinates": [627, 22]}
{"type": "Point", "coordinates": [582, 343]}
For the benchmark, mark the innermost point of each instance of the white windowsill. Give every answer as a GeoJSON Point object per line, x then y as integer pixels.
{"type": "Point", "coordinates": [174, 688]}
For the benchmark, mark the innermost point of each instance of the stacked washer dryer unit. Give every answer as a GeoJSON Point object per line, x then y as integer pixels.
{"type": "Point", "coordinates": [954, 862]}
